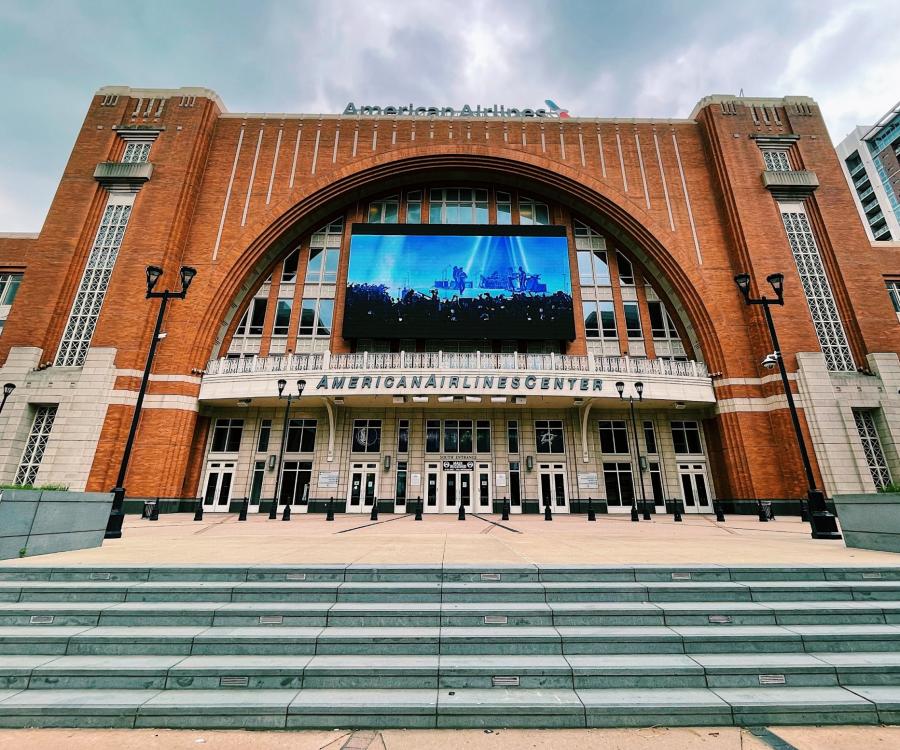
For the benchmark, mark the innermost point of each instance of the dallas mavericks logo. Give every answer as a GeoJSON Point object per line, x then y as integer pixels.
{"type": "Point", "coordinates": [363, 437]}
{"type": "Point", "coordinates": [547, 439]}
{"type": "Point", "coordinates": [561, 113]}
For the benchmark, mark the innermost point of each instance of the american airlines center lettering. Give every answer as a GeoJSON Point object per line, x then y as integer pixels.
{"type": "Point", "coordinates": [435, 382]}
{"type": "Point", "coordinates": [410, 110]}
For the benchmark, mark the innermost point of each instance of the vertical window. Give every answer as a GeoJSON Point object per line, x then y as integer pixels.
{"type": "Point", "coordinates": [515, 488]}
{"type": "Point", "coordinates": [607, 320]}
{"type": "Point", "coordinates": [259, 474]}
{"type": "Point", "coordinates": [632, 320]}
{"type": "Point", "coordinates": [613, 436]}
{"type": "Point", "coordinates": [227, 435]}
{"type": "Point", "coordinates": [819, 296]}
{"type": "Point", "coordinates": [512, 436]}
{"type": "Point", "coordinates": [326, 314]}
{"type": "Point", "coordinates": [626, 270]}
{"type": "Point", "coordinates": [9, 286]}
{"type": "Point", "coordinates": [265, 432]}
{"type": "Point", "coordinates": [76, 338]}
{"type": "Point", "coordinates": [504, 208]}
{"type": "Point", "coordinates": [289, 268]}
{"type": "Point", "coordinates": [282, 317]}
{"type": "Point", "coordinates": [585, 268]}
{"type": "Point", "coordinates": [650, 437]}
{"type": "Point", "coordinates": [593, 268]}
{"type": "Point", "coordinates": [403, 436]}
{"type": "Point", "coordinates": [591, 320]}
{"type": "Point", "coordinates": [384, 211]}
{"type": "Point", "coordinates": [533, 212]}
{"type": "Point", "coordinates": [619, 484]}
{"type": "Point", "coordinates": [254, 318]}
{"type": "Point", "coordinates": [549, 435]}
{"type": "Point", "coordinates": [686, 437]}
{"type": "Point", "coordinates": [433, 436]}
{"type": "Point", "coordinates": [36, 444]}
{"type": "Point", "coordinates": [414, 207]}
{"type": "Point", "coordinates": [301, 436]}
{"type": "Point", "coordinates": [458, 436]}
{"type": "Point", "coordinates": [776, 160]}
{"type": "Point", "coordinates": [659, 497]}
{"type": "Point", "coordinates": [483, 436]}
{"type": "Point", "coordinates": [366, 436]}
{"type": "Point", "coordinates": [400, 498]}
{"type": "Point", "coordinates": [661, 323]}
{"type": "Point", "coordinates": [307, 317]}
{"type": "Point", "coordinates": [871, 443]}
{"type": "Point", "coordinates": [893, 288]}
{"type": "Point", "coordinates": [295, 479]}
{"type": "Point", "coordinates": [136, 152]}
{"type": "Point", "coordinates": [458, 206]}
{"type": "Point", "coordinates": [324, 251]}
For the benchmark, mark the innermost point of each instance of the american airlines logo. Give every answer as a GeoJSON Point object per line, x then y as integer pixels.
{"type": "Point", "coordinates": [551, 111]}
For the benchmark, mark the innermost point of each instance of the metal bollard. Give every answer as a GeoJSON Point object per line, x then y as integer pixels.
{"type": "Point", "coordinates": [154, 511]}
{"type": "Point", "coordinates": [548, 513]}
{"type": "Point", "coordinates": [461, 516]}
{"type": "Point", "coordinates": [286, 516]}
{"type": "Point", "coordinates": [329, 514]}
{"type": "Point", "coordinates": [245, 506]}
{"type": "Point", "coordinates": [677, 518]}
{"type": "Point", "coordinates": [763, 517]}
{"type": "Point", "coordinates": [273, 511]}
{"type": "Point", "coordinates": [198, 511]}
{"type": "Point", "coordinates": [646, 510]}
{"type": "Point", "coordinates": [505, 516]}
{"type": "Point", "coordinates": [804, 511]}
{"type": "Point", "coordinates": [591, 515]}
{"type": "Point", "coordinates": [720, 514]}
{"type": "Point", "coordinates": [634, 514]}
{"type": "Point", "coordinates": [373, 516]}
{"type": "Point", "coordinates": [419, 510]}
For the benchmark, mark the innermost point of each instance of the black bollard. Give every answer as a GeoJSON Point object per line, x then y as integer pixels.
{"type": "Point", "coordinates": [804, 511]}
{"type": "Point", "coordinates": [677, 518]}
{"type": "Point", "coordinates": [245, 506]}
{"type": "Point", "coordinates": [286, 516]}
{"type": "Point", "coordinates": [329, 514]}
{"type": "Point", "coordinates": [591, 515]}
{"type": "Point", "coordinates": [634, 514]}
{"type": "Point", "coordinates": [198, 511]}
{"type": "Point", "coordinates": [763, 518]}
{"type": "Point", "coordinates": [720, 514]}
{"type": "Point", "coordinates": [505, 516]}
{"type": "Point", "coordinates": [154, 511]}
{"type": "Point", "coordinates": [646, 510]}
{"type": "Point", "coordinates": [273, 511]}
{"type": "Point", "coordinates": [548, 514]}
{"type": "Point", "coordinates": [419, 510]}
{"type": "Point", "coordinates": [461, 516]}
{"type": "Point", "coordinates": [373, 516]}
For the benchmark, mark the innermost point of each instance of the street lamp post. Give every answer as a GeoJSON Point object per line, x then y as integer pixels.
{"type": "Point", "coordinates": [301, 384]}
{"type": "Point", "coordinates": [822, 522]}
{"type": "Point", "coordinates": [639, 389]}
{"type": "Point", "coordinates": [117, 512]}
{"type": "Point", "coordinates": [8, 388]}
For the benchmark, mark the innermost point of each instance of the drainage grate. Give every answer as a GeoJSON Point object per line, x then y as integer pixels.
{"type": "Point", "coordinates": [498, 681]}
{"type": "Point", "coordinates": [681, 576]}
{"type": "Point", "coordinates": [771, 679]}
{"type": "Point", "coordinates": [490, 576]}
{"type": "Point", "coordinates": [496, 619]}
{"type": "Point", "coordinates": [234, 681]}
{"type": "Point", "coordinates": [295, 577]}
{"type": "Point", "coordinates": [41, 619]}
{"type": "Point", "coordinates": [101, 576]}
{"type": "Point", "coordinates": [271, 619]}
{"type": "Point", "coordinates": [720, 619]}
{"type": "Point", "coordinates": [871, 575]}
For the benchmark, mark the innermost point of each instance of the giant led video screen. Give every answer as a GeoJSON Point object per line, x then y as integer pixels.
{"type": "Point", "coordinates": [459, 281]}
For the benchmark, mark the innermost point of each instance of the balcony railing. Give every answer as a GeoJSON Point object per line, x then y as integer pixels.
{"type": "Point", "coordinates": [455, 361]}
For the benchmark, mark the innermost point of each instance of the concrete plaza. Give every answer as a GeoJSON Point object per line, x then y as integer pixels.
{"type": "Point", "coordinates": [442, 539]}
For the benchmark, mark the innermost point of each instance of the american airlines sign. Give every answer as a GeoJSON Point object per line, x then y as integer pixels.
{"type": "Point", "coordinates": [551, 110]}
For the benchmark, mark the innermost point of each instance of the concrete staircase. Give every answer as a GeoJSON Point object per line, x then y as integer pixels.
{"type": "Point", "coordinates": [448, 646]}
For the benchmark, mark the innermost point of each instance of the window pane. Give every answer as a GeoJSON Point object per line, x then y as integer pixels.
{"type": "Point", "coordinates": [585, 272]}
{"type": "Point", "coordinates": [601, 268]}
{"type": "Point", "coordinates": [307, 317]}
{"type": "Point", "coordinates": [258, 316]}
{"type": "Point", "coordinates": [632, 320]}
{"type": "Point", "coordinates": [326, 313]}
{"type": "Point", "coordinates": [282, 317]}
{"type": "Point", "coordinates": [591, 321]}
{"type": "Point", "coordinates": [289, 272]}
{"type": "Point", "coordinates": [608, 320]}
{"type": "Point", "coordinates": [331, 266]}
{"type": "Point", "coordinates": [657, 322]}
{"type": "Point", "coordinates": [626, 272]}
{"type": "Point", "coordinates": [314, 267]}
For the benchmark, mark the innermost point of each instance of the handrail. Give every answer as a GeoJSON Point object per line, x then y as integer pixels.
{"type": "Point", "coordinates": [456, 361]}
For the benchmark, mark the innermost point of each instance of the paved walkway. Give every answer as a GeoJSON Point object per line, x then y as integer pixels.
{"type": "Point", "coordinates": [719, 738]}
{"type": "Point", "coordinates": [612, 540]}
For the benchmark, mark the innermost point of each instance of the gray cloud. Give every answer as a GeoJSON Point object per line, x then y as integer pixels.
{"type": "Point", "coordinates": [609, 59]}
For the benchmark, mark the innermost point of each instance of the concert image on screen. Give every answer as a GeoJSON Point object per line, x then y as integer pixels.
{"type": "Point", "coordinates": [459, 281]}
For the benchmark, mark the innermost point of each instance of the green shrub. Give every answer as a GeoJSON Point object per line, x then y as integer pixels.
{"type": "Point", "coordinates": [57, 487]}
{"type": "Point", "coordinates": [892, 487]}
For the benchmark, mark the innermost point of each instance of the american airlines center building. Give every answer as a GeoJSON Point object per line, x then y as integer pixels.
{"type": "Point", "coordinates": [461, 303]}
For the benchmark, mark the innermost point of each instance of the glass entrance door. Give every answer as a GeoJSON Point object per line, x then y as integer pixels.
{"type": "Point", "coordinates": [695, 488]}
{"type": "Point", "coordinates": [217, 490]}
{"type": "Point", "coordinates": [553, 487]}
{"type": "Point", "coordinates": [457, 491]}
{"type": "Point", "coordinates": [363, 487]}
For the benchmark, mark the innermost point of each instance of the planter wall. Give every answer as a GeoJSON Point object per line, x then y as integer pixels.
{"type": "Point", "coordinates": [45, 521]}
{"type": "Point", "coordinates": [870, 521]}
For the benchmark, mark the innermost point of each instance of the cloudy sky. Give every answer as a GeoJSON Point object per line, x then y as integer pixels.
{"type": "Point", "coordinates": [606, 58]}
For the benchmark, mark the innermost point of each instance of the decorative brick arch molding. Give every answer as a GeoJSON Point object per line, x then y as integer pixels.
{"type": "Point", "coordinates": [243, 260]}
